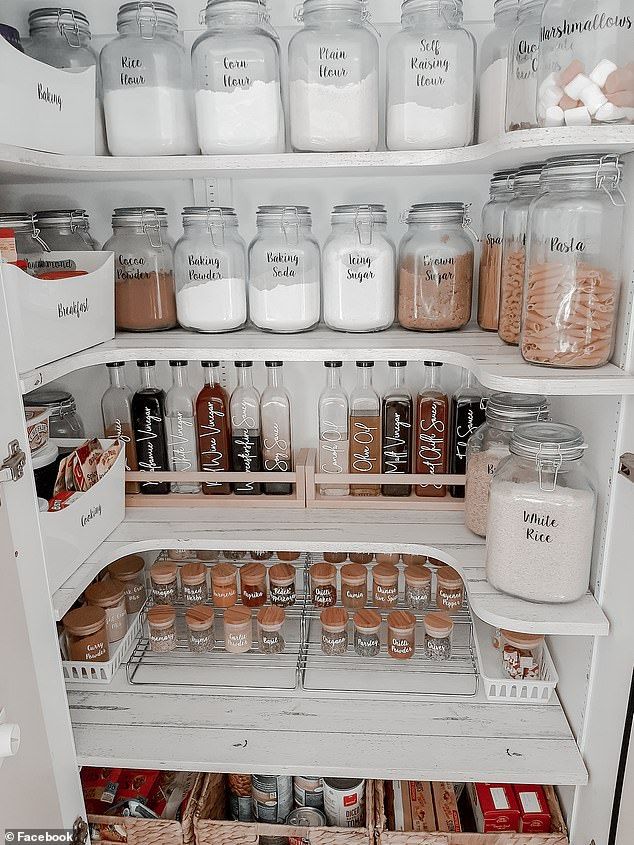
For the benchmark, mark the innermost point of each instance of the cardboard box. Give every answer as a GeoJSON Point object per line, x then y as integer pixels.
{"type": "Point", "coordinates": [534, 813]}
{"type": "Point", "coordinates": [446, 807]}
{"type": "Point", "coordinates": [409, 806]}
{"type": "Point", "coordinates": [494, 807]}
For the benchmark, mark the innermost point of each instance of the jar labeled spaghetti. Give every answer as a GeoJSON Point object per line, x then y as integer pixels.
{"type": "Point", "coordinates": [573, 282]}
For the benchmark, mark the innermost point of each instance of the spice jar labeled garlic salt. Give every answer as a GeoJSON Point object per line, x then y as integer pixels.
{"type": "Point", "coordinates": [86, 635]}
{"type": "Point", "coordinates": [334, 630]}
{"type": "Point", "coordinates": [282, 584]}
{"type": "Point", "coordinates": [270, 621]}
{"type": "Point", "coordinates": [163, 577]}
{"type": "Point", "coordinates": [401, 634]}
{"type": "Point", "coordinates": [200, 629]}
{"type": "Point", "coordinates": [224, 584]}
{"type": "Point", "coordinates": [253, 584]}
{"type": "Point", "coordinates": [323, 584]}
{"type": "Point", "coordinates": [367, 624]}
{"type": "Point", "coordinates": [110, 595]}
{"type": "Point", "coordinates": [194, 584]}
{"type": "Point", "coordinates": [417, 586]}
{"type": "Point", "coordinates": [384, 586]}
{"type": "Point", "coordinates": [162, 625]}
{"type": "Point", "coordinates": [438, 633]}
{"type": "Point", "coordinates": [521, 654]}
{"type": "Point", "coordinates": [238, 629]}
{"type": "Point", "coordinates": [130, 571]}
{"type": "Point", "coordinates": [449, 589]}
{"type": "Point", "coordinates": [354, 585]}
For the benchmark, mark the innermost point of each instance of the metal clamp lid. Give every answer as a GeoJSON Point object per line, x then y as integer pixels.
{"type": "Point", "coordinates": [147, 14]}
{"type": "Point", "coordinates": [549, 444]}
{"type": "Point", "coordinates": [216, 6]}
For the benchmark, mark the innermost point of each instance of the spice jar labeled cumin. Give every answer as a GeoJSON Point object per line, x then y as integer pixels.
{"type": "Point", "coordinates": [194, 584]}
{"type": "Point", "coordinates": [253, 584]}
{"type": "Point", "coordinates": [110, 595]}
{"type": "Point", "coordinates": [130, 571]}
{"type": "Point", "coordinates": [401, 634]}
{"type": "Point", "coordinates": [367, 624]}
{"type": "Point", "coordinates": [417, 586]}
{"type": "Point", "coordinates": [270, 621]}
{"type": "Point", "coordinates": [238, 630]}
{"type": "Point", "coordinates": [282, 584]}
{"type": "Point", "coordinates": [162, 626]}
{"type": "Point", "coordinates": [323, 584]}
{"type": "Point", "coordinates": [334, 633]}
{"type": "Point", "coordinates": [86, 634]}
{"type": "Point", "coordinates": [164, 578]}
{"type": "Point", "coordinates": [449, 589]}
{"type": "Point", "coordinates": [224, 584]}
{"type": "Point", "coordinates": [385, 586]}
{"type": "Point", "coordinates": [354, 585]}
{"type": "Point", "coordinates": [200, 629]}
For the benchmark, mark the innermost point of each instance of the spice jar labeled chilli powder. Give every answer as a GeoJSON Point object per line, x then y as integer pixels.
{"type": "Point", "coordinates": [334, 633]}
{"type": "Point", "coordinates": [401, 634]}
{"type": "Point", "coordinates": [129, 571]}
{"type": "Point", "coordinates": [367, 624]}
{"type": "Point", "coordinates": [86, 634]}
{"type": "Point", "coordinates": [200, 629]}
{"type": "Point", "coordinates": [417, 586]}
{"type": "Point", "coordinates": [270, 621]}
{"type": "Point", "coordinates": [385, 585]}
{"type": "Point", "coordinates": [323, 584]}
{"type": "Point", "coordinates": [238, 630]}
{"type": "Point", "coordinates": [163, 577]}
{"type": "Point", "coordinates": [282, 584]}
{"type": "Point", "coordinates": [110, 595]}
{"type": "Point", "coordinates": [162, 624]}
{"type": "Point", "coordinates": [194, 584]}
{"type": "Point", "coordinates": [224, 584]}
{"type": "Point", "coordinates": [449, 589]}
{"type": "Point", "coordinates": [253, 584]}
{"type": "Point", "coordinates": [354, 585]}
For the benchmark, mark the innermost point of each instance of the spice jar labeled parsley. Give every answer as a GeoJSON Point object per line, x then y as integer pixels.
{"type": "Point", "coordinates": [354, 585]}
{"type": "Point", "coordinates": [334, 630]}
{"type": "Point", "coordinates": [86, 634]}
{"type": "Point", "coordinates": [367, 624]}
{"type": "Point", "coordinates": [163, 577]}
{"type": "Point", "coordinates": [200, 628]}
{"type": "Point", "coordinates": [162, 624]}
{"type": "Point", "coordinates": [238, 629]}
{"type": "Point", "coordinates": [129, 570]}
{"type": "Point", "coordinates": [438, 632]}
{"type": "Point", "coordinates": [401, 634]}
{"type": "Point", "coordinates": [253, 584]}
{"type": "Point", "coordinates": [282, 584]}
{"type": "Point", "coordinates": [194, 584]}
{"type": "Point", "coordinates": [385, 586]}
{"type": "Point", "coordinates": [270, 624]}
{"type": "Point", "coordinates": [417, 586]}
{"type": "Point", "coordinates": [449, 589]}
{"type": "Point", "coordinates": [323, 584]}
{"type": "Point", "coordinates": [224, 584]}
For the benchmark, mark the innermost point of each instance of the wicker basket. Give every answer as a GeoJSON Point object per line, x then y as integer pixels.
{"type": "Point", "coordinates": [559, 835]}
{"type": "Point", "coordinates": [210, 829]}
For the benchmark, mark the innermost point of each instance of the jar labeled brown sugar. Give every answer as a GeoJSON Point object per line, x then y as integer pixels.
{"type": "Point", "coordinates": [238, 629]}
{"type": "Point", "coordinates": [438, 631]}
{"type": "Point", "coordinates": [401, 634]}
{"type": "Point", "coordinates": [194, 584]}
{"type": "Point", "coordinates": [335, 557]}
{"type": "Point", "coordinates": [367, 624]}
{"type": "Point", "coordinates": [334, 633]}
{"type": "Point", "coordinates": [417, 586]}
{"type": "Point", "coordinates": [224, 584]}
{"type": "Point", "coordinates": [86, 634]}
{"type": "Point", "coordinates": [200, 628]}
{"type": "Point", "coordinates": [449, 589]}
{"type": "Point", "coordinates": [110, 595]}
{"type": "Point", "coordinates": [253, 584]}
{"type": "Point", "coordinates": [163, 577]}
{"type": "Point", "coordinates": [130, 571]}
{"type": "Point", "coordinates": [354, 585]}
{"type": "Point", "coordinates": [270, 621]}
{"type": "Point", "coordinates": [162, 626]}
{"type": "Point", "coordinates": [323, 584]}
{"type": "Point", "coordinates": [282, 584]}
{"type": "Point", "coordinates": [385, 585]}
{"type": "Point", "coordinates": [289, 556]}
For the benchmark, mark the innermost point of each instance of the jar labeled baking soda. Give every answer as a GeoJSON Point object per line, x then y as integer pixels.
{"type": "Point", "coordinates": [401, 634]}
{"type": "Point", "coordinates": [354, 585]}
{"type": "Point", "coordinates": [162, 626]}
{"type": "Point", "coordinates": [86, 634]}
{"type": "Point", "coordinates": [449, 589]}
{"type": "Point", "coordinates": [224, 584]}
{"type": "Point", "coordinates": [110, 595]}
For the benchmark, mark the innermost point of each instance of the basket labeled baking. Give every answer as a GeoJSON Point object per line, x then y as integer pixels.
{"type": "Point", "coordinates": [211, 828]}
{"type": "Point", "coordinates": [53, 318]}
{"type": "Point", "coordinates": [72, 534]}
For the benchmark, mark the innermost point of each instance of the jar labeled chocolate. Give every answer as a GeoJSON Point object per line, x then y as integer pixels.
{"type": "Point", "coordinates": [334, 633]}
{"type": "Point", "coordinates": [449, 589]}
{"type": "Point", "coordinates": [194, 584]}
{"type": "Point", "coordinates": [282, 584]}
{"type": "Point", "coordinates": [110, 595]}
{"type": "Point", "coordinates": [270, 621]}
{"type": "Point", "coordinates": [438, 634]}
{"type": "Point", "coordinates": [521, 91]}
{"type": "Point", "coordinates": [401, 634]}
{"type": "Point", "coordinates": [200, 629]}
{"type": "Point", "coordinates": [354, 585]}
{"type": "Point", "coordinates": [162, 626]}
{"type": "Point", "coordinates": [238, 630]}
{"type": "Point", "coordinates": [130, 571]}
{"type": "Point", "coordinates": [323, 584]}
{"type": "Point", "coordinates": [367, 624]}
{"type": "Point", "coordinates": [385, 585]}
{"type": "Point", "coordinates": [417, 586]}
{"type": "Point", "coordinates": [253, 584]}
{"type": "Point", "coordinates": [86, 634]}
{"type": "Point", "coordinates": [521, 654]}
{"type": "Point", "coordinates": [224, 584]}
{"type": "Point", "coordinates": [163, 577]}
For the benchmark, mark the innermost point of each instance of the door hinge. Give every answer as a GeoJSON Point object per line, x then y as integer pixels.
{"type": "Point", "coordinates": [12, 468]}
{"type": "Point", "coordinates": [626, 465]}
{"type": "Point", "coordinates": [80, 831]}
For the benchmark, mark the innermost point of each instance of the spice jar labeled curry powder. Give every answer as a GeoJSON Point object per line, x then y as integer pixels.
{"type": "Point", "coordinates": [86, 634]}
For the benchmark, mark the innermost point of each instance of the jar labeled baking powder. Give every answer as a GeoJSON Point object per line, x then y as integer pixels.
{"type": "Point", "coordinates": [491, 239]}
{"type": "Point", "coordinates": [358, 270]}
{"type": "Point", "coordinates": [284, 270]}
{"type": "Point", "coordinates": [333, 79]}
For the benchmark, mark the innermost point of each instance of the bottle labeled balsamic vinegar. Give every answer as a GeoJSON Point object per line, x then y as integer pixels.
{"type": "Point", "coordinates": [148, 421]}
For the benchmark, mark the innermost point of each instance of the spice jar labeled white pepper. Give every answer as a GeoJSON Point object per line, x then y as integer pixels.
{"type": "Point", "coordinates": [270, 622]}
{"type": "Point", "coordinates": [162, 625]}
{"type": "Point", "coordinates": [323, 584]}
{"type": "Point", "coordinates": [164, 580]}
{"type": "Point", "coordinates": [384, 586]}
{"type": "Point", "coordinates": [417, 586]}
{"type": "Point", "coordinates": [238, 629]}
{"type": "Point", "coordinates": [194, 584]}
{"type": "Point", "coordinates": [367, 625]}
{"type": "Point", "coordinates": [110, 595]}
{"type": "Point", "coordinates": [334, 630]}
{"type": "Point", "coordinates": [438, 636]}
{"type": "Point", "coordinates": [521, 654]}
{"type": "Point", "coordinates": [354, 585]}
{"type": "Point", "coordinates": [130, 571]}
{"type": "Point", "coordinates": [224, 584]}
{"type": "Point", "coordinates": [449, 589]}
{"type": "Point", "coordinates": [282, 584]}
{"type": "Point", "coordinates": [401, 634]}
{"type": "Point", "coordinates": [200, 628]}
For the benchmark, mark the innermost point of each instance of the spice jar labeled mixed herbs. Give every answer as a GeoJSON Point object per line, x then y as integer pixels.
{"type": "Point", "coordinates": [110, 595]}
{"type": "Point", "coordinates": [323, 584]}
{"type": "Point", "coordinates": [224, 584]}
{"type": "Point", "coordinates": [367, 624]}
{"type": "Point", "coordinates": [282, 584]}
{"type": "Point", "coordinates": [86, 634]}
{"type": "Point", "coordinates": [401, 634]}
{"type": "Point", "coordinates": [238, 629]}
{"type": "Point", "coordinates": [130, 571]}
{"type": "Point", "coordinates": [270, 634]}
{"type": "Point", "coordinates": [385, 585]}
{"type": "Point", "coordinates": [354, 585]}
{"type": "Point", "coordinates": [334, 630]}
{"type": "Point", "coordinates": [163, 577]}
{"type": "Point", "coordinates": [200, 629]}
{"type": "Point", "coordinates": [417, 586]}
{"type": "Point", "coordinates": [438, 635]}
{"type": "Point", "coordinates": [253, 584]}
{"type": "Point", "coordinates": [162, 625]}
{"type": "Point", "coordinates": [521, 654]}
{"type": "Point", "coordinates": [194, 584]}
{"type": "Point", "coordinates": [449, 589]}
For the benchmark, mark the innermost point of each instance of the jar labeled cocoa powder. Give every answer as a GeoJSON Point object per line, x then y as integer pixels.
{"type": "Point", "coordinates": [323, 584]}
{"type": "Point", "coordinates": [164, 579]}
{"type": "Point", "coordinates": [130, 571]}
{"type": "Point", "coordinates": [224, 584]}
{"type": "Point", "coordinates": [110, 595]}
{"type": "Point", "coordinates": [162, 628]}
{"type": "Point", "coordinates": [385, 586]}
{"type": "Point", "coordinates": [86, 634]}
{"type": "Point", "coordinates": [354, 585]}
{"type": "Point", "coordinates": [253, 584]}
{"type": "Point", "coordinates": [282, 584]}
{"type": "Point", "coordinates": [194, 584]}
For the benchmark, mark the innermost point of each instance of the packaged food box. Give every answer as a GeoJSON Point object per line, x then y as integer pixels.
{"type": "Point", "coordinates": [409, 806]}
{"type": "Point", "coordinates": [36, 428]}
{"type": "Point", "coordinates": [100, 787]}
{"type": "Point", "coordinates": [534, 812]}
{"type": "Point", "coordinates": [446, 807]}
{"type": "Point", "coordinates": [494, 807]}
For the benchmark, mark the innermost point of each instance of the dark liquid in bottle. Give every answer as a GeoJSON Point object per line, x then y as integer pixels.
{"type": "Point", "coordinates": [214, 437]}
{"type": "Point", "coordinates": [148, 421]}
{"type": "Point", "coordinates": [246, 452]}
{"type": "Point", "coordinates": [468, 414]}
{"type": "Point", "coordinates": [432, 441]}
{"type": "Point", "coordinates": [278, 488]}
{"type": "Point", "coordinates": [396, 453]}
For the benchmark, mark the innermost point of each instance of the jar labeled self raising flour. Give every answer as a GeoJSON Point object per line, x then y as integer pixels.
{"type": "Point", "coordinates": [542, 509]}
{"type": "Point", "coordinates": [359, 284]}
{"type": "Point", "coordinates": [210, 267]}
{"type": "Point", "coordinates": [236, 65]}
{"type": "Point", "coordinates": [521, 89]}
{"type": "Point", "coordinates": [494, 63]}
{"type": "Point", "coordinates": [574, 257]}
{"type": "Point", "coordinates": [430, 78]}
{"type": "Point", "coordinates": [334, 79]}
{"type": "Point", "coordinates": [284, 271]}
{"type": "Point", "coordinates": [491, 239]}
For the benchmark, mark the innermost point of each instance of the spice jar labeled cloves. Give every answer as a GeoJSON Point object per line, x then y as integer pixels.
{"type": "Point", "coordinates": [282, 584]}
{"type": "Point", "coordinates": [253, 584]}
{"type": "Point", "coordinates": [323, 584]}
{"type": "Point", "coordinates": [385, 585]}
{"type": "Point", "coordinates": [417, 586]}
{"type": "Point", "coordinates": [449, 589]}
{"type": "Point", "coordinates": [238, 629]}
{"type": "Point", "coordinates": [162, 624]}
{"type": "Point", "coordinates": [163, 577]}
{"type": "Point", "coordinates": [401, 634]}
{"type": "Point", "coordinates": [110, 595]}
{"type": "Point", "coordinates": [129, 571]}
{"type": "Point", "coordinates": [194, 584]}
{"type": "Point", "coordinates": [86, 634]}
{"type": "Point", "coordinates": [334, 630]}
{"type": "Point", "coordinates": [438, 632]}
{"type": "Point", "coordinates": [270, 634]}
{"type": "Point", "coordinates": [200, 628]}
{"type": "Point", "coordinates": [354, 585]}
{"type": "Point", "coordinates": [367, 624]}
{"type": "Point", "coordinates": [224, 584]}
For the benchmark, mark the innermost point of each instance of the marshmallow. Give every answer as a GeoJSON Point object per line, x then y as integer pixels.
{"type": "Point", "coordinates": [568, 74]}
{"type": "Point", "coordinates": [593, 98]}
{"type": "Point", "coordinates": [609, 112]}
{"type": "Point", "coordinates": [574, 88]}
{"type": "Point", "coordinates": [550, 97]}
{"type": "Point", "coordinates": [578, 117]}
{"type": "Point", "coordinates": [567, 102]}
{"type": "Point", "coordinates": [601, 72]}
{"type": "Point", "coordinates": [550, 82]}
{"type": "Point", "coordinates": [554, 116]}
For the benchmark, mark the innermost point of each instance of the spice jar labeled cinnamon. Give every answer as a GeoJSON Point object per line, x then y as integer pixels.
{"type": "Point", "coordinates": [289, 556]}
{"type": "Point", "coordinates": [438, 631]}
{"type": "Point", "coordinates": [335, 557]}
{"type": "Point", "coordinates": [200, 628]}
{"type": "Point", "coordinates": [401, 634]}
{"type": "Point", "coordinates": [323, 584]}
{"type": "Point", "coordinates": [238, 629]}
{"type": "Point", "coordinates": [194, 584]}
{"type": "Point", "coordinates": [354, 585]}
{"type": "Point", "coordinates": [334, 633]}
{"type": "Point", "coordinates": [163, 577]}
{"type": "Point", "coordinates": [385, 585]}
{"type": "Point", "coordinates": [224, 584]}
{"type": "Point", "coordinates": [162, 624]}
{"type": "Point", "coordinates": [86, 634]}
{"type": "Point", "coordinates": [130, 571]}
{"type": "Point", "coordinates": [270, 621]}
{"type": "Point", "coordinates": [449, 589]}
{"type": "Point", "coordinates": [282, 584]}
{"type": "Point", "coordinates": [253, 584]}
{"type": "Point", "coordinates": [367, 624]}
{"type": "Point", "coordinates": [417, 586]}
{"type": "Point", "coordinates": [110, 595]}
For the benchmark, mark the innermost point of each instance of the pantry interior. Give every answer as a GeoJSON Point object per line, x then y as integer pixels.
{"type": "Point", "coordinates": [576, 742]}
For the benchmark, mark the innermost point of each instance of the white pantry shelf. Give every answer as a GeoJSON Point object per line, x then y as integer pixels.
{"type": "Point", "coordinates": [439, 534]}
{"type": "Point", "coordinates": [496, 365]}
{"type": "Point", "coordinates": [514, 149]}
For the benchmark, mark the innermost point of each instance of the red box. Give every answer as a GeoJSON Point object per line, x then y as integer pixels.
{"type": "Point", "coordinates": [534, 813]}
{"type": "Point", "coordinates": [494, 807]}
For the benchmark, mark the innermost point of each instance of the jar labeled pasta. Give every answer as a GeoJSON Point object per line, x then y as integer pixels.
{"type": "Point", "coordinates": [367, 625]}
{"type": "Point", "coordinates": [449, 589]}
{"type": "Point", "coordinates": [542, 509]}
{"type": "Point", "coordinates": [334, 630]}
{"type": "Point", "coordinates": [282, 584]}
{"type": "Point", "coordinates": [526, 186]}
{"type": "Point", "coordinates": [162, 627]}
{"type": "Point", "coordinates": [359, 284]}
{"type": "Point", "coordinates": [573, 278]}
{"type": "Point", "coordinates": [401, 634]}
{"type": "Point", "coordinates": [354, 585]}
{"type": "Point", "coordinates": [521, 92]}
{"type": "Point", "coordinates": [200, 629]}
{"type": "Point", "coordinates": [521, 654]}
{"type": "Point", "coordinates": [224, 584]}
{"type": "Point", "coordinates": [323, 584]}
{"type": "Point", "coordinates": [164, 580]}
{"type": "Point", "coordinates": [501, 193]}
{"type": "Point", "coordinates": [194, 584]}
{"type": "Point", "coordinates": [384, 585]}
{"type": "Point", "coordinates": [435, 268]}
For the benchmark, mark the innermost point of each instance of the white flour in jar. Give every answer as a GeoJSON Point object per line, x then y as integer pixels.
{"type": "Point", "coordinates": [145, 121]}
{"type": "Point", "coordinates": [411, 126]}
{"type": "Point", "coordinates": [244, 120]}
{"type": "Point", "coordinates": [539, 543]}
{"type": "Point", "coordinates": [215, 306]}
{"type": "Point", "coordinates": [359, 287]}
{"type": "Point", "coordinates": [284, 307]}
{"type": "Point", "coordinates": [492, 101]}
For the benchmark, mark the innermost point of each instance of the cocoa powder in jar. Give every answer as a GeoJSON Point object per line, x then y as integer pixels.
{"type": "Point", "coordinates": [146, 303]}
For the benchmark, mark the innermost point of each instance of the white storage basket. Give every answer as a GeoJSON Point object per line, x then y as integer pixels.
{"type": "Point", "coordinates": [91, 672]}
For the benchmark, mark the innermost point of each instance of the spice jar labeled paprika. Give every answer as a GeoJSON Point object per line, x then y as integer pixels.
{"type": "Point", "coordinates": [438, 631]}
{"type": "Point", "coordinates": [401, 634]}
{"type": "Point", "coordinates": [162, 624]}
{"type": "Point", "coordinates": [129, 571]}
{"type": "Point", "coordinates": [354, 585]}
{"type": "Point", "coordinates": [110, 595]}
{"type": "Point", "coordinates": [200, 628]}
{"type": "Point", "coordinates": [163, 576]}
{"type": "Point", "coordinates": [282, 584]}
{"type": "Point", "coordinates": [334, 634]}
{"type": "Point", "coordinates": [449, 589]}
{"type": "Point", "coordinates": [417, 586]}
{"type": "Point", "coordinates": [238, 630]}
{"type": "Point", "coordinates": [270, 622]}
{"type": "Point", "coordinates": [253, 584]}
{"type": "Point", "coordinates": [385, 585]}
{"type": "Point", "coordinates": [86, 634]}
{"type": "Point", "coordinates": [194, 584]}
{"type": "Point", "coordinates": [323, 584]}
{"type": "Point", "coordinates": [367, 623]}
{"type": "Point", "coordinates": [224, 584]}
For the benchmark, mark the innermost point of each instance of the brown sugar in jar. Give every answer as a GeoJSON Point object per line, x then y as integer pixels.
{"type": "Point", "coordinates": [110, 595]}
{"type": "Point", "coordinates": [86, 635]}
{"type": "Point", "coordinates": [354, 585]}
{"type": "Point", "coordinates": [130, 571]}
{"type": "Point", "coordinates": [224, 584]}
{"type": "Point", "coordinates": [253, 584]}
{"type": "Point", "coordinates": [323, 584]}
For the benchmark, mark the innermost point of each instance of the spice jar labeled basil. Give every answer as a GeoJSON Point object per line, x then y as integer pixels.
{"type": "Point", "coordinates": [282, 584]}
{"type": "Point", "coordinates": [449, 589]}
{"type": "Point", "coordinates": [270, 622]}
{"type": "Point", "coordinates": [354, 585]}
{"type": "Point", "coordinates": [323, 584]}
{"type": "Point", "coordinates": [110, 595]}
{"type": "Point", "coordinates": [224, 584]}
{"type": "Point", "coordinates": [385, 585]}
{"type": "Point", "coordinates": [253, 584]}
{"type": "Point", "coordinates": [194, 584]}
{"type": "Point", "coordinates": [401, 634]}
{"type": "Point", "coordinates": [438, 634]}
{"type": "Point", "coordinates": [367, 624]}
{"type": "Point", "coordinates": [238, 629]}
{"type": "Point", "coordinates": [200, 629]}
{"type": "Point", "coordinates": [86, 634]}
{"type": "Point", "coordinates": [130, 571]}
{"type": "Point", "coordinates": [334, 633]}
{"type": "Point", "coordinates": [162, 625]}
{"type": "Point", "coordinates": [417, 586]}
{"type": "Point", "coordinates": [163, 577]}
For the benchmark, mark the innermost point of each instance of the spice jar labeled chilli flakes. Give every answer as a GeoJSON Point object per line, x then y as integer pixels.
{"type": "Point", "coordinates": [129, 571]}
{"type": "Point", "coordinates": [282, 584]}
{"type": "Point", "coordinates": [163, 577]}
{"type": "Point", "coordinates": [253, 584]}
{"type": "Point", "coordinates": [385, 585]}
{"type": "Point", "coordinates": [354, 585]}
{"type": "Point", "coordinates": [323, 584]}
{"type": "Point", "coordinates": [110, 595]}
{"type": "Point", "coordinates": [334, 633]}
{"type": "Point", "coordinates": [224, 584]}
{"type": "Point", "coordinates": [449, 589]}
{"type": "Point", "coordinates": [270, 622]}
{"type": "Point", "coordinates": [438, 633]}
{"type": "Point", "coordinates": [200, 629]}
{"type": "Point", "coordinates": [238, 629]}
{"type": "Point", "coordinates": [417, 586]}
{"type": "Point", "coordinates": [194, 584]}
{"type": "Point", "coordinates": [86, 634]}
{"type": "Point", "coordinates": [401, 634]}
{"type": "Point", "coordinates": [367, 624]}
{"type": "Point", "coordinates": [162, 624]}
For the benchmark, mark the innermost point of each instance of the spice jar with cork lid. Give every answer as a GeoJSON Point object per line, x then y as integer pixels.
{"type": "Point", "coordinates": [417, 586]}
{"type": "Point", "coordinates": [200, 628]}
{"type": "Point", "coordinates": [86, 635]}
{"type": "Point", "coordinates": [282, 584]}
{"type": "Point", "coordinates": [163, 577]}
{"type": "Point", "coordinates": [253, 584]}
{"type": "Point", "coordinates": [323, 584]}
{"type": "Point", "coordinates": [179, 554]}
{"type": "Point", "coordinates": [521, 654]}
{"type": "Point", "coordinates": [224, 584]}
{"type": "Point", "coordinates": [335, 557]}
{"type": "Point", "coordinates": [449, 589]}
{"type": "Point", "coordinates": [261, 555]}
{"type": "Point", "coordinates": [367, 624]}
{"type": "Point", "coordinates": [334, 630]}
{"type": "Point", "coordinates": [438, 634]}
{"type": "Point", "coordinates": [270, 621]}
{"type": "Point", "coordinates": [288, 556]}
{"type": "Point", "coordinates": [130, 571]}
{"type": "Point", "coordinates": [354, 585]}
{"type": "Point", "coordinates": [238, 630]}
{"type": "Point", "coordinates": [401, 634]}
{"type": "Point", "coordinates": [161, 621]}
{"type": "Point", "coordinates": [194, 584]}
{"type": "Point", "coordinates": [110, 595]}
{"type": "Point", "coordinates": [388, 557]}
{"type": "Point", "coordinates": [207, 554]}
{"type": "Point", "coordinates": [385, 585]}
{"type": "Point", "coordinates": [361, 557]}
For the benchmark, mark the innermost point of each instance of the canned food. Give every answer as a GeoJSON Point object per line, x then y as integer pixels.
{"type": "Point", "coordinates": [344, 802]}
{"type": "Point", "coordinates": [240, 802]}
{"type": "Point", "coordinates": [272, 797]}
{"type": "Point", "coordinates": [304, 817]}
{"type": "Point", "coordinates": [308, 792]}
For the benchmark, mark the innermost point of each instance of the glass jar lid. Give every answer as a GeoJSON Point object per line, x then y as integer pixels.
{"type": "Point", "coordinates": [438, 625]}
{"type": "Point", "coordinates": [271, 618]}
{"type": "Point", "coordinates": [147, 16]}
{"type": "Point", "coordinates": [334, 619]}
{"type": "Point", "coordinates": [18, 221]}
{"type": "Point", "coordinates": [502, 181]}
{"type": "Point", "coordinates": [437, 212]}
{"type": "Point", "coordinates": [284, 215]}
{"type": "Point", "coordinates": [606, 171]}
{"type": "Point", "coordinates": [138, 216]}
{"type": "Point", "coordinates": [59, 402]}
{"type": "Point", "coordinates": [373, 213]}
{"type": "Point", "coordinates": [506, 410]}
{"type": "Point", "coordinates": [161, 616]}
{"type": "Point", "coordinates": [199, 618]}
{"type": "Point", "coordinates": [210, 215]}
{"type": "Point", "coordinates": [74, 219]}
{"type": "Point", "coordinates": [529, 6]}
{"type": "Point", "coordinates": [523, 641]}
{"type": "Point", "coordinates": [528, 177]}
{"type": "Point", "coordinates": [550, 442]}
{"type": "Point", "coordinates": [163, 573]}
{"type": "Point", "coordinates": [500, 7]}
{"type": "Point", "coordinates": [310, 6]}
{"type": "Point", "coordinates": [367, 621]}
{"type": "Point", "coordinates": [410, 7]}
{"type": "Point", "coordinates": [69, 22]}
